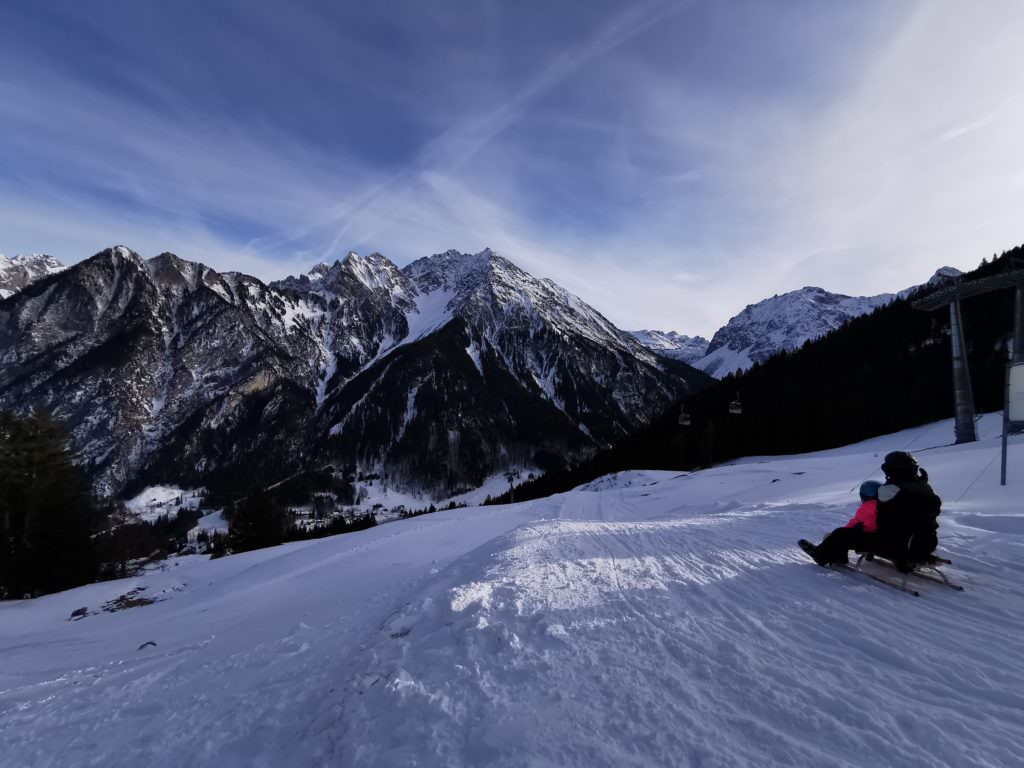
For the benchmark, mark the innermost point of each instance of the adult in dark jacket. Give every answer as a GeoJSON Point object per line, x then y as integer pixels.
{"type": "Point", "coordinates": [908, 511]}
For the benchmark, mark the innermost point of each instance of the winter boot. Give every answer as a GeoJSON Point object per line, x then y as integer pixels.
{"type": "Point", "coordinates": [812, 550]}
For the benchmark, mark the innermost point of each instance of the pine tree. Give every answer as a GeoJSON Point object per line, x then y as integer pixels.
{"type": "Point", "coordinates": [257, 522]}
{"type": "Point", "coordinates": [48, 516]}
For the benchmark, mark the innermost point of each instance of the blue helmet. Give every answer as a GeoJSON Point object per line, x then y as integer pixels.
{"type": "Point", "coordinates": [869, 490]}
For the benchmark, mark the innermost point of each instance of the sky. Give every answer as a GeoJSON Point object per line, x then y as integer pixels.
{"type": "Point", "coordinates": [669, 162]}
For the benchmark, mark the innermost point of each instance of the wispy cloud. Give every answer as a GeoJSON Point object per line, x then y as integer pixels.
{"type": "Point", "coordinates": [669, 163]}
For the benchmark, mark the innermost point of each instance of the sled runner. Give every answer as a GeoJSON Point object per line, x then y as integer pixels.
{"type": "Point", "coordinates": [929, 569]}
{"type": "Point", "coordinates": [890, 575]}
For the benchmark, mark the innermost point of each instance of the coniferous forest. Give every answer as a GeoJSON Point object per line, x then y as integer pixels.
{"type": "Point", "coordinates": [47, 516]}
{"type": "Point", "coordinates": [880, 373]}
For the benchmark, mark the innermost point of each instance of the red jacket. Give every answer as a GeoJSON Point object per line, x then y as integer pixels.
{"type": "Point", "coordinates": [866, 515]}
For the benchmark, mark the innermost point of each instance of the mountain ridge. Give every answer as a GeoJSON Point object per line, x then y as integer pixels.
{"type": "Point", "coordinates": [781, 323]}
{"type": "Point", "coordinates": [166, 370]}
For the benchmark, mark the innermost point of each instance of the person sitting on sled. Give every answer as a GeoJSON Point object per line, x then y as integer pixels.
{"type": "Point", "coordinates": [897, 520]}
{"type": "Point", "coordinates": [860, 533]}
{"type": "Point", "coordinates": [908, 512]}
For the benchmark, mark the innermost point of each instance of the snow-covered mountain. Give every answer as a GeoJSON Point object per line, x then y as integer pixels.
{"type": "Point", "coordinates": [441, 374]}
{"type": "Point", "coordinates": [781, 324]}
{"type": "Point", "coordinates": [672, 344]}
{"type": "Point", "coordinates": [19, 271]}
{"type": "Point", "coordinates": [645, 619]}
{"type": "Point", "coordinates": [480, 364]}
{"type": "Point", "coordinates": [785, 322]}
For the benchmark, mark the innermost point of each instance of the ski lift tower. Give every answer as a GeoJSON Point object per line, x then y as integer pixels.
{"type": "Point", "coordinates": [952, 295]}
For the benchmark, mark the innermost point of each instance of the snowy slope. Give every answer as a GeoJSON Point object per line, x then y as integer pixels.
{"type": "Point", "coordinates": [163, 500]}
{"type": "Point", "coordinates": [645, 619]}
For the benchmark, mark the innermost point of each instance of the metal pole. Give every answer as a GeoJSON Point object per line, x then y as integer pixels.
{"type": "Point", "coordinates": [1017, 351]}
{"type": "Point", "coordinates": [963, 397]}
{"type": "Point", "coordinates": [1018, 325]}
{"type": "Point", "coordinates": [1006, 425]}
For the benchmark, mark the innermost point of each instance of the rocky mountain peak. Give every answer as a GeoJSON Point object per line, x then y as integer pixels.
{"type": "Point", "coordinates": [319, 271]}
{"type": "Point", "coordinates": [942, 274]}
{"type": "Point", "coordinates": [21, 270]}
{"type": "Point", "coordinates": [376, 272]}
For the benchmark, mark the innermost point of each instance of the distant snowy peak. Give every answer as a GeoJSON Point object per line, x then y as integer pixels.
{"type": "Point", "coordinates": [942, 275]}
{"type": "Point", "coordinates": [21, 270]}
{"type": "Point", "coordinates": [782, 323]}
{"type": "Point", "coordinates": [494, 295]}
{"type": "Point", "coordinates": [672, 344]}
{"type": "Point", "coordinates": [786, 322]}
{"type": "Point", "coordinates": [374, 273]}
{"type": "Point", "coordinates": [318, 271]}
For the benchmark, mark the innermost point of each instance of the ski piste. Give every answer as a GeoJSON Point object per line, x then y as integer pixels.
{"type": "Point", "coordinates": [901, 586]}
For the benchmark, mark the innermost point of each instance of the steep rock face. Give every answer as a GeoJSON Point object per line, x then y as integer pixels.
{"type": "Point", "coordinates": [550, 341]}
{"type": "Point", "coordinates": [354, 310]}
{"type": "Point", "coordinates": [127, 351]}
{"type": "Point", "coordinates": [17, 272]}
{"type": "Point", "coordinates": [674, 345]}
{"type": "Point", "coordinates": [497, 367]}
{"type": "Point", "coordinates": [452, 369]}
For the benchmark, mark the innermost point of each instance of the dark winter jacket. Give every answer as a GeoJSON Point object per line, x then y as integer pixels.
{"type": "Point", "coordinates": [908, 523]}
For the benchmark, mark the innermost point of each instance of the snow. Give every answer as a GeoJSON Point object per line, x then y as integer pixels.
{"type": "Point", "coordinates": [330, 367]}
{"type": "Point", "coordinates": [495, 485]}
{"type": "Point", "coordinates": [433, 311]}
{"type": "Point", "coordinates": [410, 411]}
{"type": "Point", "coordinates": [157, 500]}
{"type": "Point", "coordinates": [648, 618]}
{"type": "Point", "coordinates": [213, 522]}
{"type": "Point", "coordinates": [724, 361]}
{"type": "Point", "coordinates": [380, 492]}
{"type": "Point", "coordinates": [473, 350]}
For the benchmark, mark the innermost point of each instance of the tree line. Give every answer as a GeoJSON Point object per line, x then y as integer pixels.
{"type": "Point", "coordinates": [55, 534]}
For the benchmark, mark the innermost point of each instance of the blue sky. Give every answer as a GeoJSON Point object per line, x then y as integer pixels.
{"type": "Point", "coordinates": [668, 162]}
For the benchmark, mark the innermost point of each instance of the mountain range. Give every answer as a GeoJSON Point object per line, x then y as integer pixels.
{"type": "Point", "coordinates": [782, 323]}
{"type": "Point", "coordinates": [440, 374]}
